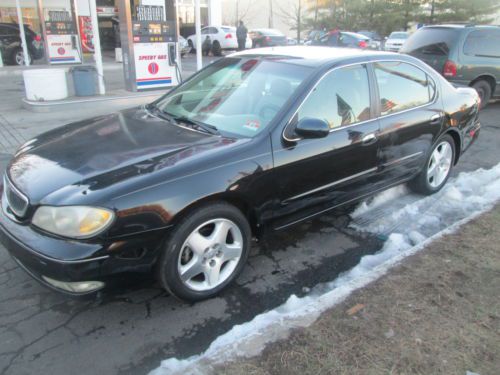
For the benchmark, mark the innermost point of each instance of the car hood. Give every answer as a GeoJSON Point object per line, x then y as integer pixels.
{"type": "Point", "coordinates": [105, 150]}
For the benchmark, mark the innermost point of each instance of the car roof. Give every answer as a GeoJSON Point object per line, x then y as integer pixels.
{"type": "Point", "coordinates": [314, 56]}
{"type": "Point", "coordinates": [460, 26]}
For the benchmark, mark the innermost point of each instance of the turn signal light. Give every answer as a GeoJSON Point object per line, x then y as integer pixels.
{"type": "Point", "coordinates": [450, 69]}
{"type": "Point", "coordinates": [362, 44]}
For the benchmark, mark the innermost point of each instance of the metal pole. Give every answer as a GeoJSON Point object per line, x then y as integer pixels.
{"type": "Point", "coordinates": [97, 46]}
{"type": "Point", "coordinates": [197, 20]}
{"type": "Point", "coordinates": [1, 61]}
{"type": "Point", "coordinates": [23, 36]}
{"type": "Point", "coordinates": [178, 56]}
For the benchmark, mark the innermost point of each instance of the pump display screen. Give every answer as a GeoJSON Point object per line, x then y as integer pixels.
{"type": "Point", "coordinates": [150, 24]}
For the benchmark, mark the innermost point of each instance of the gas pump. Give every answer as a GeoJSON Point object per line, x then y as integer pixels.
{"type": "Point", "coordinates": [148, 39]}
{"type": "Point", "coordinates": [63, 44]}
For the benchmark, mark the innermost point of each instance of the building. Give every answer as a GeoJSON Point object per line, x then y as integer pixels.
{"type": "Point", "coordinates": [71, 17]}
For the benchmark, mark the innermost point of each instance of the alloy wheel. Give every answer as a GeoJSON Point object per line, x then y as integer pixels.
{"type": "Point", "coordinates": [439, 164]}
{"type": "Point", "coordinates": [210, 254]}
{"type": "Point", "coordinates": [19, 58]}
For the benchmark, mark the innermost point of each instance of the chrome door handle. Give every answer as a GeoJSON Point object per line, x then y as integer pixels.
{"type": "Point", "coordinates": [436, 119]}
{"type": "Point", "coordinates": [369, 139]}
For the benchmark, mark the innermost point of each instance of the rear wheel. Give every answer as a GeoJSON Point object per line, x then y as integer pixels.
{"type": "Point", "coordinates": [483, 89]}
{"type": "Point", "coordinates": [437, 168]}
{"type": "Point", "coordinates": [191, 45]}
{"type": "Point", "coordinates": [216, 49]}
{"type": "Point", "coordinates": [205, 252]}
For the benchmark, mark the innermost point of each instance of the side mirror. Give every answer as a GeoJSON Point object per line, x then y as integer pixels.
{"type": "Point", "coordinates": [312, 128]}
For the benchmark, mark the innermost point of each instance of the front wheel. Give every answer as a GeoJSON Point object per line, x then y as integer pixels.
{"type": "Point", "coordinates": [205, 252]}
{"type": "Point", "coordinates": [437, 167]}
{"type": "Point", "coordinates": [18, 56]}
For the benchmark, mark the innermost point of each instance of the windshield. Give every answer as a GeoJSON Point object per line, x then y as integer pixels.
{"type": "Point", "coordinates": [398, 36]}
{"type": "Point", "coordinates": [236, 95]}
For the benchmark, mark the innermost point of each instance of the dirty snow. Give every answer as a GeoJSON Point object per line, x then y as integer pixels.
{"type": "Point", "coordinates": [408, 221]}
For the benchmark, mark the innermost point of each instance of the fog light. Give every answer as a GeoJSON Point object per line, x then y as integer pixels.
{"type": "Point", "coordinates": [75, 287]}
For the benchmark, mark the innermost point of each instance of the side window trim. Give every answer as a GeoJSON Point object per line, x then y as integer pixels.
{"type": "Point", "coordinates": [429, 77]}
{"type": "Point", "coordinates": [370, 85]}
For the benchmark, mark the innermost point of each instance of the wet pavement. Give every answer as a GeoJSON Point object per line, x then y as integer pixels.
{"type": "Point", "coordinates": [130, 330]}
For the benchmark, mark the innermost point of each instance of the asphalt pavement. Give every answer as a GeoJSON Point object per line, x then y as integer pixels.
{"type": "Point", "coordinates": [131, 329]}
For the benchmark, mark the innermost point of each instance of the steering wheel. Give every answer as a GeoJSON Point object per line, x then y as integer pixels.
{"type": "Point", "coordinates": [269, 108]}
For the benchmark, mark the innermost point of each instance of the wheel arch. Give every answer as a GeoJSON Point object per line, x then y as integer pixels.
{"type": "Point", "coordinates": [234, 199]}
{"type": "Point", "coordinates": [455, 135]}
{"type": "Point", "coordinates": [485, 77]}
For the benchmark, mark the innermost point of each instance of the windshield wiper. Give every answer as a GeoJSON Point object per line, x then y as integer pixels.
{"type": "Point", "coordinates": [210, 129]}
{"type": "Point", "coordinates": [158, 112]}
{"type": "Point", "coordinates": [207, 128]}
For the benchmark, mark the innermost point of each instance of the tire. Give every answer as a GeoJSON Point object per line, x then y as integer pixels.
{"type": "Point", "coordinates": [424, 182]}
{"type": "Point", "coordinates": [211, 260]}
{"type": "Point", "coordinates": [191, 45]}
{"type": "Point", "coordinates": [216, 49]}
{"type": "Point", "coordinates": [483, 89]}
{"type": "Point", "coordinates": [17, 57]}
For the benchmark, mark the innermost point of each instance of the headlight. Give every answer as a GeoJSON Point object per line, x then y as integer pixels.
{"type": "Point", "coordinates": [72, 221]}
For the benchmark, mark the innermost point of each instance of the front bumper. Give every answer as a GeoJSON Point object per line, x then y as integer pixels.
{"type": "Point", "coordinates": [44, 268]}
{"type": "Point", "coordinates": [57, 262]}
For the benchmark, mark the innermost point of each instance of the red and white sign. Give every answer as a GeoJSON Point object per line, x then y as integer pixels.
{"type": "Point", "coordinates": [61, 50]}
{"type": "Point", "coordinates": [152, 67]}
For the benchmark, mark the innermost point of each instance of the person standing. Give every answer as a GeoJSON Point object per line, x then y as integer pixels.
{"type": "Point", "coordinates": [241, 35]}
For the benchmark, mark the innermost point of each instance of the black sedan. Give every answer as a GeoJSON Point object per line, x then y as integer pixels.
{"type": "Point", "coordinates": [257, 141]}
{"type": "Point", "coordinates": [346, 39]}
{"type": "Point", "coordinates": [11, 45]}
{"type": "Point", "coordinates": [267, 38]}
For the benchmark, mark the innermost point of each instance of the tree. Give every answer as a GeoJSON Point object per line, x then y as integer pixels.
{"type": "Point", "coordinates": [293, 16]}
{"type": "Point", "coordinates": [385, 16]}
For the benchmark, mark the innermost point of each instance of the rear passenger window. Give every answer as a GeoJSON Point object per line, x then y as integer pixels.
{"type": "Point", "coordinates": [341, 98]}
{"type": "Point", "coordinates": [402, 86]}
{"type": "Point", "coordinates": [484, 43]}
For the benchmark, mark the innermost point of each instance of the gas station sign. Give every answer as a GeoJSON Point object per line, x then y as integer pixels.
{"type": "Point", "coordinates": [152, 66]}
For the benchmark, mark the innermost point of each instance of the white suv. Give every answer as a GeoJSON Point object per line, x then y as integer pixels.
{"type": "Point", "coordinates": [224, 36]}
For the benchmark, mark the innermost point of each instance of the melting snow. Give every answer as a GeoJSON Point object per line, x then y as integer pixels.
{"type": "Point", "coordinates": [408, 221]}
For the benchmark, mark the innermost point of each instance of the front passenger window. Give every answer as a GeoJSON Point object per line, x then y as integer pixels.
{"type": "Point", "coordinates": [341, 98]}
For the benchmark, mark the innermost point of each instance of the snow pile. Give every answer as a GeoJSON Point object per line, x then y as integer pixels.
{"type": "Point", "coordinates": [418, 223]}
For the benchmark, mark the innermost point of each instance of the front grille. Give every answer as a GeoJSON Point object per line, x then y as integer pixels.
{"type": "Point", "coordinates": [17, 201]}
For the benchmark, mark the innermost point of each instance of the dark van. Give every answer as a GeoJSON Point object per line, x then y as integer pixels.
{"type": "Point", "coordinates": [466, 55]}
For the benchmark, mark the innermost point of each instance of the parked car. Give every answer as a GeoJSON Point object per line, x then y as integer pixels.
{"type": "Point", "coordinates": [375, 39]}
{"type": "Point", "coordinates": [11, 47]}
{"type": "Point", "coordinates": [184, 46]}
{"type": "Point", "coordinates": [395, 41]}
{"type": "Point", "coordinates": [313, 35]}
{"type": "Point", "coordinates": [222, 37]}
{"type": "Point", "coordinates": [347, 39]}
{"type": "Point", "coordinates": [267, 38]}
{"type": "Point", "coordinates": [257, 141]}
{"type": "Point", "coordinates": [292, 41]}
{"type": "Point", "coordinates": [465, 55]}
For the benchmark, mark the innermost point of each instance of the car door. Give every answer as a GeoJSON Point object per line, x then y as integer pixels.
{"type": "Point", "coordinates": [481, 56]}
{"type": "Point", "coordinates": [314, 175]}
{"type": "Point", "coordinates": [411, 117]}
